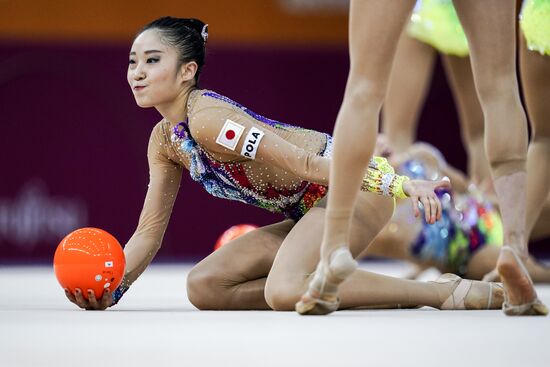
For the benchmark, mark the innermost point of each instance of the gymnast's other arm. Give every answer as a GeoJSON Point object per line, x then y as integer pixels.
{"type": "Point", "coordinates": [164, 182]}
{"type": "Point", "coordinates": [432, 157]}
{"type": "Point", "coordinates": [207, 124]}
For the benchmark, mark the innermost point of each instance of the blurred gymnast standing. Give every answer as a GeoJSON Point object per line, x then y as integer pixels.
{"type": "Point", "coordinates": [435, 27]}
{"type": "Point", "coordinates": [374, 30]}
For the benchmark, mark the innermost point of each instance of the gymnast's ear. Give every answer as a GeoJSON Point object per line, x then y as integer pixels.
{"type": "Point", "coordinates": [188, 70]}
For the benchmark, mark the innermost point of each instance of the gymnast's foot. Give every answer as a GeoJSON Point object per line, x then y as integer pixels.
{"type": "Point", "coordinates": [465, 294]}
{"type": "Point", "coordinates": [321, 298]}
{"type": "Point", "coordinates": [521, 297]}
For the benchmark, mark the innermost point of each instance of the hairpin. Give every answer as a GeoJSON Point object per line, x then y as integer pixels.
{"type": "Point", "coordinates": [204, 33]}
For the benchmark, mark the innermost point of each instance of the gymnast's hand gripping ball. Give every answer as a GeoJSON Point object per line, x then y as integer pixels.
{"type": "Point", "coordinates": [232, 233]}
{"type": "Point", "coordinates": [89, 258]}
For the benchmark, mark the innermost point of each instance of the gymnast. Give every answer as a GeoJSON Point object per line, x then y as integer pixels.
{"type": "Point", "coordinates": [375, 28]}
{"type": "Point", "coordinates": [466, 240]}
{"type": "Point", "coordinates": [237, 154]}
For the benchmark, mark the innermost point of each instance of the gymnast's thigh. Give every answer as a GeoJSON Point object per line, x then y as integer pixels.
{"type": "Point", "coordinates": [299, 252]}
{"type": "Point", "coordinates": [247, 257]}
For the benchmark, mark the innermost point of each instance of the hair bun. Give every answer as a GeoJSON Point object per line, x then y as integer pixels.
{"type": "Point", "coordinates": [204, 33]}
{"type": "Point", "coordinates": [199, 26]}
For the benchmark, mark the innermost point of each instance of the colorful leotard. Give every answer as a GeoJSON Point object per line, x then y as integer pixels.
{"type": "Point", "coordinates": [468, 223]}
{"type": "Point", "coordinates": [436, 23]}
{"type": "Point", "coordinates": [231, 180]}
{"type": "Point", "coordinates": [236, 154]}
{"type": "Point", "coordinates": [244, 181]}
{"type": "Point", "coordinates": [535, 25]}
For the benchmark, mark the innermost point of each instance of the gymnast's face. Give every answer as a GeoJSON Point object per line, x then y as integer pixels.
{"type": "Point", "coordinates": [153, 71]}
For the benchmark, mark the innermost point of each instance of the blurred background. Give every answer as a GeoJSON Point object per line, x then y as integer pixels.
{"type": "Point", "coordinates": [73, 142]}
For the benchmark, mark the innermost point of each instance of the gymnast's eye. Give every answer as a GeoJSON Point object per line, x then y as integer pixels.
{"type": "Point", "coordinates": [152, 60]}
{"type": "Point", "coordinates": [131, 62]}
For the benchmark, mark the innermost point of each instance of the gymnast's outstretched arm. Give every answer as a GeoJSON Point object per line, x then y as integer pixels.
{"type": "Point", "coordinates": [164, 182]}
{"type": "Point", "coordinates": [208, 124]}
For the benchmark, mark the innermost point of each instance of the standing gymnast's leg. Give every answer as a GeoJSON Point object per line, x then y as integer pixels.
{"type": "Point", "coordinates": [374, 30]}
{"type": "Point", "coordinates": [410, 79]}
{"type": "Point", "coordinates": [490, 28]}
{"type": "Point", "coordinates": [461, 81]}
{"type": "Point", "coordinates": [535, 79]}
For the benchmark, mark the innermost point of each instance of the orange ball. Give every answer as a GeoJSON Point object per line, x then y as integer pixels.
{"type": "Point", "coordinates": [232, 233]}
{"type": "Point", "coordinates": [89, 258]}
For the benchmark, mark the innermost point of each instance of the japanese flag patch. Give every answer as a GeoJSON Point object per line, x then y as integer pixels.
{"type": "Point", "coordinates": [230, 134]}
{"type": "Point", "coordinates": [252, 142]}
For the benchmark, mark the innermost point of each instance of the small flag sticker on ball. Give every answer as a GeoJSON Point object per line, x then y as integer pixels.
{"type": "Point", "coordinates": [88, 258]}
{"type": "Point", "coordinates": [230, 134]}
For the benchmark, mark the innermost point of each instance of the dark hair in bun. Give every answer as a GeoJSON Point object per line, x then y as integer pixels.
{"type": "Point", "coordinates": [187, 35]}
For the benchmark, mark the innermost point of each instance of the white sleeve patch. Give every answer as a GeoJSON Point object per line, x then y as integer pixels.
{"type": "Point", "coordinates": [252, 143]}
{"type": "Point", "coordinates": [230, 134]}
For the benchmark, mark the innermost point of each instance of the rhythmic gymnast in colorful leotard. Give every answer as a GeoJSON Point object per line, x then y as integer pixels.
{"type": "Point", "coordinates": [467, 239]}
{"type": "Point", "coordinates": [239, 155]}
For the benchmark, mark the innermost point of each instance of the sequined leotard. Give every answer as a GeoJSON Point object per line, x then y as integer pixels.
{"type": "Point", "coordinates": [246, 181]}
{"type": "Point", "coordinates": [468, 223]}
{"type": "Point", "coordinates": [235, 154]}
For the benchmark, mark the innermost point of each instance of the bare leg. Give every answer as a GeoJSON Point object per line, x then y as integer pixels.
{"type": "Point", "coordinates": [396, 246]}
{"type": "Point", "coordinates": [373, 39]}
{"type": "Point", "coordinates": [417, 267]}
{"type": "Point", "coordinates": [389, 245]}
{"type": "Point", "coordinates": [417, 271]}
{"type": "Point", "coordinates": [461, 80]}
{"type": "Point", "coordinates": [541, 228]}
{"type": "Point", "coordinates": [233, 277]}
{"type": "Point", "coordinates": [299, 253]}
{"type": "Point", "coordinates": [535, 78]}
{"type": "Point", "coordinates": [375, 27]}
{"type": "Point", "coordinates": [393, 241]}
{"type": "Point", "coordinates": [489, 26]}
{"type": "Point", "coordinates": [539, 272]}
{"type": "Point", "coordinates": [410, 79]}
{"type": "Point", "coordinates": [485, 260]}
